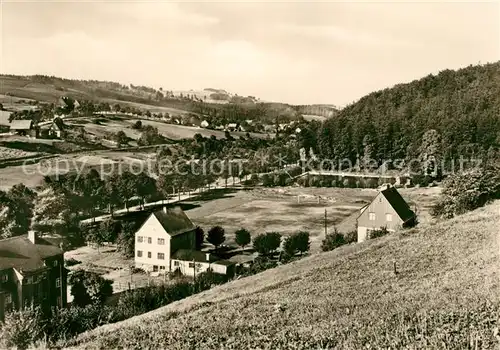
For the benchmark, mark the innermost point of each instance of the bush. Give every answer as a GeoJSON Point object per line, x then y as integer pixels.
{"type": "Point", "coordinates": [21, 329]}
{"type": "Point", "coordinates": [267, 243]}
{"type": "Point", "coordinates": [137, 125]}
{"type": "Point", "coordinates": [351, 237]}
{"type": "Point", "coordinates": [72, 262]}
{"type": "Point", "coordinates": [465, 192]}
{"type": "Point", "coordinates": [332, 241]}
{"type": "Point", "coordinates": [378, 233]}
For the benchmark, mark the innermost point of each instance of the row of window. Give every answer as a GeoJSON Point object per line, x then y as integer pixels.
{"type": "Point", "coordinates": [160, 256]}
{"type": "Point", "coordinates": [372, 216]}
{"type": "Point", "coordinates": [140, 239]}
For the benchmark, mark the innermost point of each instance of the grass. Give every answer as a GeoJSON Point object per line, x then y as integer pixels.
{"type": "Point", "coordinates": [445, 296]}
{"type": "Point", "coordinates": [278, 209]}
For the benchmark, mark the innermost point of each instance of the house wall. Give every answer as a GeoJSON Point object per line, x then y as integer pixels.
{"type": "Point", "coordinates": [187, 268]}
{"type": "Point", "coordinates": [152, 228]}
{"type": "Point", "coordinates": [380, 207]}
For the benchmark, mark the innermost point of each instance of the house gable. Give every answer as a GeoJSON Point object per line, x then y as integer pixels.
{"type": "Point", "coordinates": [375, 215]}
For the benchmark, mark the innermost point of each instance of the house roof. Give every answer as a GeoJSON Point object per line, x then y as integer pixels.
{"type": "Point", "coordinates": [196, 255]}
{"type": "Point", "coordinates": [398, 203]}
{"type": "Point", "coordinates": [19, 253]}
{"type": "Point", "coordinates": [224, 262]}
{"type": "Point", "coordinates": [174, 221]}
{"type": "Point", "coordinates": [241, 258]}
{"type": "Point", "coordinates": [24, 124]}
{"type": "Point", "coordinates": [232, 125]}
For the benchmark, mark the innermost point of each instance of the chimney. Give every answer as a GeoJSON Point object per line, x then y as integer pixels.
{"type": "Point", "coordinates": [207, 255]}
{"type": "Point", "coordinates": [32, 236]}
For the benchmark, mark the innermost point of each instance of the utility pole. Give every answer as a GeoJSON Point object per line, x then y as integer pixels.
{"type": "Point", "coordinates": [326, 229]}
{"type": "Point", "coordinates": [61, 281]}
{"type": "Point", "coordinates": [194, 270]}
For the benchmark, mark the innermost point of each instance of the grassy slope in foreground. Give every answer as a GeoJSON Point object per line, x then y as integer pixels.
{"type": "Point", "coordinates": [446, 295]}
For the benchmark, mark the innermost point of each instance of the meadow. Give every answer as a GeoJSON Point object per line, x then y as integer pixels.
{"type": "Point", "coordinates": [444, 295]}
{"type": "Point", "coordinates": [291, 209]}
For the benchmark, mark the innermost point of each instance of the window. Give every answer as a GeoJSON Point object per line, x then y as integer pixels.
{"type": "Point", "coordinates": [371, 216]}
{"type": "Point", "coordinates": [162, 267]}
{"type": "Point", "coordinates": [161, 256]}
{"type": "Point", "coordinates": [161, 241]}
{"type": "Point", "coordinates": [29, 280]}
{"type": "Point", "coordinates": [149, 255]}
{"type": "Point", "coordinates": [155, 268]}
{"type": "Point", "coordinates": [139, 253]}
{"type": "Point", "coordinates": [388, 217]}
{"type": "Point", "coordinates": [176, 263]}
{"type": "Point", "coordinates": [8, 299]}
{"type": "Point", "coordinates": [150, 240]}
{"type": "Point", "coordinates": [58, 282]}
{"type": "Point", "coordinates": [191, 264]}
{"type": "Point", "coordinates": [139, 239]}
{"type": "Point", "coordinates": [59, 301]}
{"type": "Point", "coordinates": [56, 262]}
{"type": "Point", "coordinates": [5, 277]}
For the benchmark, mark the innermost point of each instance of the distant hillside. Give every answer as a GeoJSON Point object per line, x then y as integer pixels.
{"type": "Point", "coordinates": [212, 102]}
{"type": "Point", "coordinates": [457, 111]}
{"type": "Point", "coordinates": [445, 295]}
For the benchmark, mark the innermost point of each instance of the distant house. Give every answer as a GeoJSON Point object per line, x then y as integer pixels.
{"type": "Point", "coordinates": [232, 127]}
{"type": "Point", "coordinates": [219, 127]}
{"type": "Point", "coordinates": [31, 272]}
{"type": "Point", "coordinates": [204, 124]}
{"type": "Point", "coordinates": [24, 127]}
{"type": "Point", "coordinates": [388, 210]}
{"type": "Point", "coordinates": [192, 262]}
{"type": "Point", "coordinates": [53, 129]}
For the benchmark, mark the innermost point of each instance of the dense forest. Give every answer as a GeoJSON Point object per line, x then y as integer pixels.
{"type": "Point", "coordinates": [447, 116]}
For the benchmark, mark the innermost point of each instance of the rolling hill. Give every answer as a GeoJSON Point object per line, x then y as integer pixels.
{"type": "Point", "coordinates": [444, 296]}
{"type": "Point", "coordinates": [462, 107]}
{"type": "Point", "coordinates": [208, 101]}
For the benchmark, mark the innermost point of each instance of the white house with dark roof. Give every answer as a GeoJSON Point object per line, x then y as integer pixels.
{"type": "Point", "coordinates": [388, 209]}
{"type": "Point", "coordinates": [164, 232]}
{"type": "Point", "coordinates": [166, 242]}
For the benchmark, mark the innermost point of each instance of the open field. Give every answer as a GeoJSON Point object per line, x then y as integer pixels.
{"type": "Point", "coordinates": [171, 131]}
{"type": "Point", "coordinates": [32, 174]}
{"type": "Point", "coordinates": [9, 153]}
{"type": "Point", "coordinates": [445, 295]}
{"type": "Point", "coordinates": [282, 210]}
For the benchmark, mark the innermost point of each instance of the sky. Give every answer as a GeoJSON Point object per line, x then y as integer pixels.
{"type": "Point", "coordinates": [286, 51]}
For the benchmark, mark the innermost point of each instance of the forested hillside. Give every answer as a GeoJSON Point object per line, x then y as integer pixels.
{"type": "Point", "coordinates": [448, 115]}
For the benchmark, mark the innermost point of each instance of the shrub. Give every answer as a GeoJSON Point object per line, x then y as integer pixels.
{"type": "Point", "coordinates": [465, 192]}
{"type": "Point", "coordinates": [267, 243]}
{"type": "Point", "coordinates": [216, 236]}
{"type": "Point", "coordinates": [378, 233]}
{"type": "Point", "coordinates": [242, 237]}
{"type": "Point", "coordinates": [88, 287]}
{"type": "Point", "coordinates": [72, 262]}
{"type": "Point", "coordinates": [22, 328]}
{"type": "Point", "coordinates": [332, 241]}
{"type": "Point", "coordinates": [351, 236]}
{"type": "Point", "coordinates": [137, 125]}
